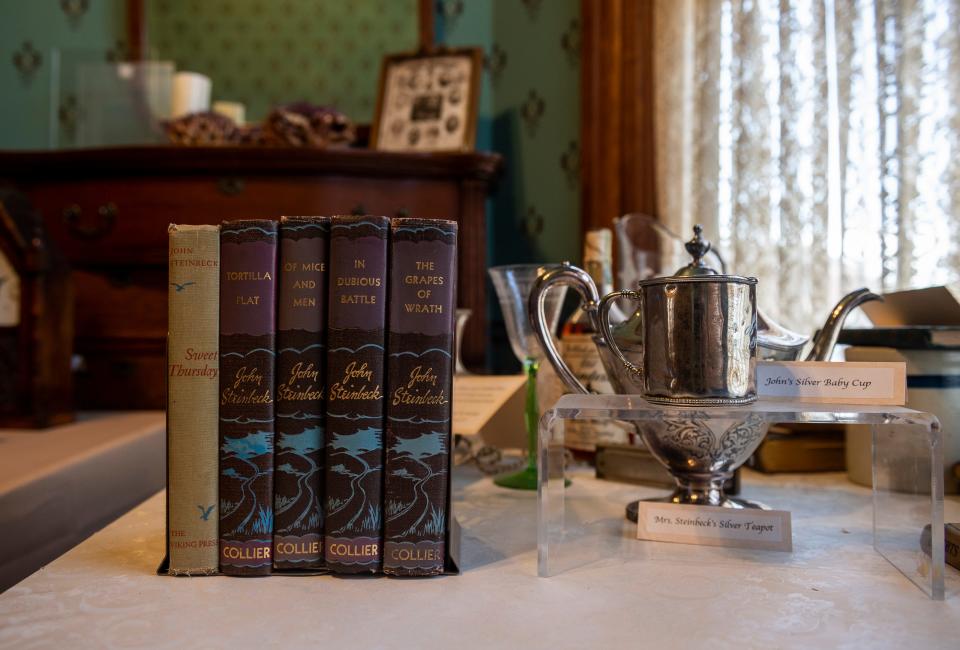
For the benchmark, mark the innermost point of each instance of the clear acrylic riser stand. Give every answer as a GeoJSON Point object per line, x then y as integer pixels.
{"type": "Point", "coordinates": [573, 531]}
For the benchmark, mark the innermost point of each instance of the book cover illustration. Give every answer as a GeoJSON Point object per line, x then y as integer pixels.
{"type": "Point", "coordinates": [248, 252]}
{"type": "Point", "coordinates": [301, 394]}
{"type": "Point", "coordinates": [355, 340]}
{"type": "Point", "coordinates": [419, 380]}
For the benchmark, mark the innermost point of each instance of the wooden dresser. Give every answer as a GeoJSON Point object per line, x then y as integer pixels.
{"type": "Point", "coordinates": [108, 211]}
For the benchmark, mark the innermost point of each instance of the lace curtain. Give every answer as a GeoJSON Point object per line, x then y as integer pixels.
{"type": "Point", "coordinates": [817, 141]}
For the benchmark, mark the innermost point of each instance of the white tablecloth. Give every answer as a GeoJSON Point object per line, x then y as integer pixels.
{"type": "Point", "coordinates": [59, 485]}
{"type": "Point", "coordinates": [105, 594]}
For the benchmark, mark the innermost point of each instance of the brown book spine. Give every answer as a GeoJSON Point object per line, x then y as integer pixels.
{"type": "Point", "coordinates": [248, 269]}
{"type": "Point", "coordinates": [192, 383]}
{"type": "Point", "coordinates": [951, 540]}
{"type": "Point", "coordinates": [423, 263]}
{"type": "Point", "coordinates": [301, 386]}
{"type": "Point", "coordinates": [353, 526]}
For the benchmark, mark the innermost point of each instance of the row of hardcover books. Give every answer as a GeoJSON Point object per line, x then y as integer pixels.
{"type": "Point", "coordinates": [309, 378]}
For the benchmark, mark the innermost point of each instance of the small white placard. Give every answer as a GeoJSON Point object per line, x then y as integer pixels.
{"type": "Point", "coordinates": [710, 526]}
{"type": "Point", "coordinates": [829, 382]}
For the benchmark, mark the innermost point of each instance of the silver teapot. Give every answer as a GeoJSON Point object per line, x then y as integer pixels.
{"type": "Point", "coordinates": [693, 341]}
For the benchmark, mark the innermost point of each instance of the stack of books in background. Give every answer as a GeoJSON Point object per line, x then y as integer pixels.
{"type": "Point", "coordinates": [310, 367]}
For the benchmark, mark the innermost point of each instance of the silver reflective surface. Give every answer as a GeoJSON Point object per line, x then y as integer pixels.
{"type": "Point", "coordinates": [699, 339]}
{"type": "Point", "coordinates": [691, 341]}
{"type": "Point", "coordinates": [701, 453]}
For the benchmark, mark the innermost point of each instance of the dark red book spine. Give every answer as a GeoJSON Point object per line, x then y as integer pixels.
{"type": "Point", "coordinates": [301, 393]}
{"type": "Point", "coordinates": [353, 526]}
{"type": "Point", "coordinates": [423, 261]}
{"type": "Point", "coordinates": [248, 269]}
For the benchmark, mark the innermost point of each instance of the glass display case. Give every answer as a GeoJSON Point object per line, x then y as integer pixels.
{"type": "Point", "coordinates": [582, 525]}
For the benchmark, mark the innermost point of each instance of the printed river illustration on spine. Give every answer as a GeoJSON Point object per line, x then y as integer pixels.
{"type": "Point", "coordinates": [356, 458]}
{"type": "Point", "coordinates": [419, 461]}
{"type": "Point", "coordinates": [244, 461]}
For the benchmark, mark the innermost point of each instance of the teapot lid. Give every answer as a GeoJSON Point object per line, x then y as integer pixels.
{"type": "Point", "coordinates": [698, 247]}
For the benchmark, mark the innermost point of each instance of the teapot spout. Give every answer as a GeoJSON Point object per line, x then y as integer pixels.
{"type": "Point", "coordinates": [775, 342]}
{"type": "Point", "coordinates": [827, 338]}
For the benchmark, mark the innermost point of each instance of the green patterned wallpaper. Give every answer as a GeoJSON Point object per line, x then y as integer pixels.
{"type": "Point", "coordinates": [530, 113]}
{"type": "Point", "coordinates": [267, 52]}
{"type": "Point", "coordinates": [30, 31]}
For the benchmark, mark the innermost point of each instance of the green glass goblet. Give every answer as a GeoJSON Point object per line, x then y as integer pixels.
{"type": "Point", "coordinates": [513, 284]}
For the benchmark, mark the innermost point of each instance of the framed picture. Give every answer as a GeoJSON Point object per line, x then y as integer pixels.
{"type": "Point", "coordinates": [428, 101]}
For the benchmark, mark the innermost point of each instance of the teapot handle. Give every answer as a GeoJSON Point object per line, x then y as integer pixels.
{"type": "Point", "coordinates": [607, 331]}
{"type": "Point", "coordinates": [581, 281]}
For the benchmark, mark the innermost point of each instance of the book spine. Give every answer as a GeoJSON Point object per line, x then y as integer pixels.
{"type": "Point", "coordinates": [301, 388]}
{"type": "Point", "coordinates": [423, 259]}
{"type": "Point", "coordinates": [192, 376]}
{"type": "Point", "coordinates": [353, 525]}
{"type": "Point", "coordinates": [952, 541]}
{"type": "Point", "coordinates": [248, 268]}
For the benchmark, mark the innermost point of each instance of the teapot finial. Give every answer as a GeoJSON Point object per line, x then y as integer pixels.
{"type": "Point", "coordinates": [698, 247]}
